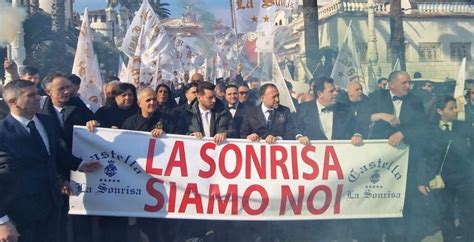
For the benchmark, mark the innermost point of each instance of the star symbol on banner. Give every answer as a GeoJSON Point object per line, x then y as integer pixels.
{"type": "Point", "coordinates": [254, 19]}
{"type": "Point", "coordinates": [340, 74]}
{"type": "Point", "coordinates": [266, 18]}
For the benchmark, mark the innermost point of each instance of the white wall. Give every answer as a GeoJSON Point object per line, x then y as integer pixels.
{"type": "Point", "coordinates": [435, 29]}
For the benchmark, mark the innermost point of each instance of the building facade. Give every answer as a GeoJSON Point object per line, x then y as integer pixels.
{"type": "Point", "coordinates": [437, 35]}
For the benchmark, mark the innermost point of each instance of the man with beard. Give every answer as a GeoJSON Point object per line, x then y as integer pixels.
{"type": "Point", "coordinates": [236, 109]}
{"type": "Point", "coordinates": [269, 120]}
{"type": "Point", "coordinates": [205, 118]}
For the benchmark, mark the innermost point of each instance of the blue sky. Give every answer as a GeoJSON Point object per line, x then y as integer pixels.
{"type": "Point", "coordinates": [220, 8]}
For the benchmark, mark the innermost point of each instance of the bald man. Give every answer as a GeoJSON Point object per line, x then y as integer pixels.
{"type": "Point", "coordinates": [359, 104]}
{"type": "Point", "coordinates": [197, 77]}
{"type": "Point", "coordinates": [148, 118]}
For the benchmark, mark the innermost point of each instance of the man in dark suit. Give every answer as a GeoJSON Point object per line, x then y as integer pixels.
{"type": "Point", "coordinates": [450, 155]}
{"type": "Point", "coordinates": [359, 104]}
{"type": "Point", "coordinates": [469, 107]}
{"type": "Point", "coordinates": [4, 110]}
{"type": "Point", "coordinates": [236, 109]}
{"type": "Point", "coordinates": [190, 94]}
{"type": "Point", "coordinates": [156, 122]}
{"type": "Point", "coordinates": [269, 120]}
{"type": "Point", "coordinates": [66, 112]}
{"type": "Point", "coordinates": [324, 119]}
{"type": "Point", "coordinates": [205, 118]}
{"type": "Point", "coordinates": [31, 198]}
{"type": "Point", "coordinates": [398, 115]}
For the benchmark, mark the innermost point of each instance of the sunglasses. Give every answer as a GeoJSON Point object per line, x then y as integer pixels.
{"type": "Point", "coordinates": [243, 93]}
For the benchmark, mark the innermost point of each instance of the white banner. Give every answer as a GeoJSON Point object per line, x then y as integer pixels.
{"type": "Point", "coordinates": [181, 177]}
{"type": "Point", "coordinates": [258, 15]}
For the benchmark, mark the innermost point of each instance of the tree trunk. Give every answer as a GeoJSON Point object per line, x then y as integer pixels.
{"type": "Point", "coordinates": [311, 33]}
{"type": "Point", "coordinates": [397, 38]}
{"type": "Point", "coordinates": [58, 27]}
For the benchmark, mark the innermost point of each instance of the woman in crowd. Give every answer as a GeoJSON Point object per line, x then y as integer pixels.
{"type": "Point", "coordinates": [164, 99]}
{"type": "Point", "coordinates": [450, 154]}
{"type": "Point", "coordinates": [114, 229]}
{"type": "Point", "coordinates": [124, 106]}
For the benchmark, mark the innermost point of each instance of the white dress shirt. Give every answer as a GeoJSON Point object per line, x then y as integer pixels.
{"type": "Point", "coordinates": [234, 110]}
{"type": "Point", "coordinates": [39, 126]}
{"type": "Point", "coordinates": [266, 112]}
{"type": "Point", "coordinates": [206, 121]}
{"type": "Point", "coordinates": [442, 125]}
{"type": "Point", "coordinates": [397, 104]}
{"type": "Point", "coordinates": [60, 115]}
{"type": "Point", "coordinates": [326, 120]}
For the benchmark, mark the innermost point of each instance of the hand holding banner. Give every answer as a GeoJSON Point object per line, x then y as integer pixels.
{"type": "Point", "coordinates": [181, 177]}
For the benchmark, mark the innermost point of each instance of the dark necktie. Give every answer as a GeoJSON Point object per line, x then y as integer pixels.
{"type": "Point", "coordinates": [270, 118]}
{"type": "Point", "coordinates": [395, 98]}
{"type": "Point", "coordinates": [37, 137]}
{"type": "Point", "coordinates": [446, 128]}
{"type": "Point", "coordinates": [327, 109]}
{"type": "Point", "coordinates": [61, 116]}
{"type": "Point", "coordinates": [232, 107]}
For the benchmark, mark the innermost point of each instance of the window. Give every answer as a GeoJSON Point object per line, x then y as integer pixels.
{"type": "Point", "coordinates": [361, 49]}
{"type": "Point", "coordinates": [459, 50]}
{"type": "Point", "coordinates": [430, 52]}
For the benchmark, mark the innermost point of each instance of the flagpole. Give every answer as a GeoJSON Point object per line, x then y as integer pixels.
{"type": "Point", "coordinates": [255, 68]}
{"type": "Point", "coordinates": [234, 26]}
{"type": "Point", "coordinates": [316, 69]}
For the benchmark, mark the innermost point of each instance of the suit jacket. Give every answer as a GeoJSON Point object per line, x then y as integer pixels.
{"type": "Point", "coordinates": [76, 113]}
{"type": "Point", "coordinates": [254, 122]}
{"type": "Point", "coordinates": [459, 160]}
{"type": "Point", "coordinates": [237, 120]}
{"type": "Point", "coordinates": [4, 109]}
{"type": "Point", "coordinates": [29, 185]}
{"type": "Point", "coordinates": [138, 122]}
{"type": "Point", "coordinates": [469, 112]}
{"type": "Point", "coordinates": [190, 121]}
{"type": "Point", "coordinates": [344, 123]}
{"type": "Point", "coordinates": [412, 117]}
{"type": "Point", "coordinates": [361, 112]}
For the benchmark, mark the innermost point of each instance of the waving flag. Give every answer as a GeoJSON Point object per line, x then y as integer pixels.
{"type": "Point", "coordinates": [86, 66]}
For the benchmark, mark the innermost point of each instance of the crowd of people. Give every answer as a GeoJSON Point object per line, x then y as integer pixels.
{"type": "Point", "coordinates": [36, 158]}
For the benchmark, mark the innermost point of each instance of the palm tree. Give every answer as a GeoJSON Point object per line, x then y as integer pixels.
{"type": "Point", "coordinates": [161, 8]}
{"type": "Point", "coordinates": [133, 5]}
{"type": "Point", "coordinates": [310, 13]}
{"type": "Point", "coordinates": [58, 27]}
{"type": "Point", "coordinates": [397, 38]}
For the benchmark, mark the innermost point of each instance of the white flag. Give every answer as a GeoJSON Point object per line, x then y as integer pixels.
{"type": "Point", "coordinates": [274, 38]}
{"type": "Point", "coordinates": [252, 13]}
{"type": "Point", "coordinates": [459, 90]}
{"type": "Point", "coordinates": [86, 66]}
{"type": "Point", "coordinates": [147, 34]}
{"type": "Point", "coordinates": [285, 95]}
{"type": "Point", "coordinates": [397, 67]}
{"type": "Point", "coordinates": [308, 76]}
{"type": "Point", "coordinates": [124, 73]}
{"type": "Point", "coordinates": [347, 66]}
{"type": "Point", "coordinates": [287, 74]}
